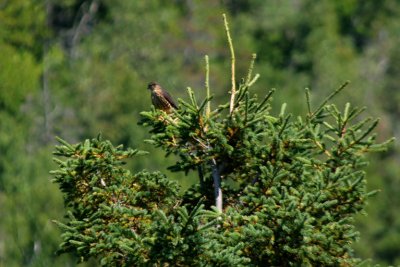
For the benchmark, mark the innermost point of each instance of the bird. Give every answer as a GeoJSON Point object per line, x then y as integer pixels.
{"type": "Point", "coordinates": [160, 98]}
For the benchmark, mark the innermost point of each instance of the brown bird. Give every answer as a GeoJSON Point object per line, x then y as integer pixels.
{"type": "Point", "coordinates": [160, 98]}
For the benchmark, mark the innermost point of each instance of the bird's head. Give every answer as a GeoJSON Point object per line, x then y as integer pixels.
{"type": "Point", "coordinates": [152, 86]}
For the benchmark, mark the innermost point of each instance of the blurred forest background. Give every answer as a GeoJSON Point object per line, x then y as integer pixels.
{"type": "Point", "coordinates": [74, 68]}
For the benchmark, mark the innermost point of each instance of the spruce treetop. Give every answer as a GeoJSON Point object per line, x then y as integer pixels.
{"type": "Point", "coordinates": [272, 190]}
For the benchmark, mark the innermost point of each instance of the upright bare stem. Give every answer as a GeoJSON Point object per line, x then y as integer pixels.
{"type": "Point", "coordinates": [233, 90]}
{"type": "Point", "coordinates": [207, 84]}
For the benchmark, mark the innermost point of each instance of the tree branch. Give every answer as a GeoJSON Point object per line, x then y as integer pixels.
{"type": "Point", "coordinates": [233, 90]}
{"type": "Point", "coordinates": [82, 26]}
{"type": "Point", "coordinates": [207, 84]}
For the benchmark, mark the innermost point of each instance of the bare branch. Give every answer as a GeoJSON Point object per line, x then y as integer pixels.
{"type": "Point", "coordinates": [83, 23]}
{"type": "Point", "coordinates": [233, 90]}
{"type": "Point", "coordinates": [207, 84]}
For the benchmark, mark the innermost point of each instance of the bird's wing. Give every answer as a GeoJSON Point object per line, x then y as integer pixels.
{"type": "Point", "coordinates": [170, 100]}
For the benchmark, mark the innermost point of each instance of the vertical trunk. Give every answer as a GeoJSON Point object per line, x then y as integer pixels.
{"type": "Point", "coordinates": [217, 185]}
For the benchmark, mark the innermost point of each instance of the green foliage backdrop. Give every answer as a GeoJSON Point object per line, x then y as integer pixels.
{"type": "Point", "coordinates": [76, 68]}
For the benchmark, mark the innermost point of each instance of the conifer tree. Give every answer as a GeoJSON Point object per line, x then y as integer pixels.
{"type": "Point", "coordinates": [273, 190]}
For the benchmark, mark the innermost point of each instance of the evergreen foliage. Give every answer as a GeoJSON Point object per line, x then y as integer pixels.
{"type": "Point", "coordinates": [74, 68]}
{"type": "Point", "coordinates": [291, 186]}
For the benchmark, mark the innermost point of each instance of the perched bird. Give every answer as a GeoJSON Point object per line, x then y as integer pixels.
{"type": "Point", "coordinates": [160, 98]}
